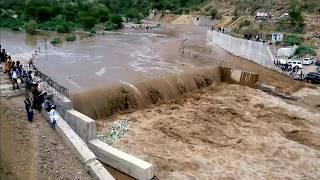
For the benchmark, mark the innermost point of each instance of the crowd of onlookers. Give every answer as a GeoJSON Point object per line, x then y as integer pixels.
{"type": "Point", "coordinates": [24, 74]}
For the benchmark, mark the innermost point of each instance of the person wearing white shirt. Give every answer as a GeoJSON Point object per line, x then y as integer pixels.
{"type": "Point", "coordinates": [14, 77]}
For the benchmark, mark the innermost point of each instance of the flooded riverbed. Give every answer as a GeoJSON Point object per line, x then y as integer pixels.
{"type": "Point", "coordinates": [100, 61]}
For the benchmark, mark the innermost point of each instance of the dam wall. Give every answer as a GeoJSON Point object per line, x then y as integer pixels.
{"type": "Point", "coordinates": [257, 52]}
{"type": "Point", "coordinates": [104, 102]}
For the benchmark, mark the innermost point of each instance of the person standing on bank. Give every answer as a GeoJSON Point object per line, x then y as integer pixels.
{"type": "Point", "coordinates": [29, 110]}
{"type": "Point", "coordinates": [14, 78]}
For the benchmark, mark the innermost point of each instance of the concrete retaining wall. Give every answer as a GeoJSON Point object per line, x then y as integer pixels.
{"type": "Point", "coordinates": [254, 51]}
{"type": "Point", "coordinates": [84, 126]}
{"type": "Point", "coordinates": [85, 129]}
{"type": "Point", "coordinates": [62, 103]}
{"type": "Point", "coordinates": [122, 161]}
{"type": "Point", "coordinates": [97, 171]}
{"type": "Point", "coordinates": [238, 77]}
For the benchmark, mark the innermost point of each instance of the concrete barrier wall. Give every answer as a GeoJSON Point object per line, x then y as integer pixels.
{"type": "Point", "coordinates": [84, 126]}
{"type": "Point", "coordinates": [254, 51]}
{"type": "Point", "coordinates": [122, 161]}
{"type": "Point", "coordinates": [238, 77]}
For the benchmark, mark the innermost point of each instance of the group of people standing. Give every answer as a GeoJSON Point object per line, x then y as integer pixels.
{"type": "Point", "coordinates": [34, 97]}
{"type": "Point", "coordinates": [15, 70]}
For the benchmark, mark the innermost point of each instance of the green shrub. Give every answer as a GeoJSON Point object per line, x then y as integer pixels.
{"type": "Point", "coordinates": [43, 13]}
{"type": "Point", "coordinates": [31, 27]}
{"type": "Point", "coordinates": [11, 23]}
{"type": "Point", "coordinates": [93, 31]}
{"type": "Point", "coordinates": [15, 29]}
{"type": "Point", "coordinates": [284, 26]}
{"type": "Point", "coordinates": [56, 41]}
{"type": "Point", "coordinates": [291, 40]}
{"type": "Point", "coordinates": [58, 23]}
{"type": "Point", "coordinates": [114, 23]}
{"type": "Point", "coordinates": [244, 24]}
{"type": "Point", "coordinates": [305, 50]}
{"type": "Point", "coordinates": [252, 29]}
{"type": "Point", "coordinates": [110, 26]}
{"type": "Point", "coordinates": [63, 28]}
{"type": "Point", "coordinates": [88, 22]}
{"type": "Point", "coordinates": [116, 19]}
{"type": "Point", "coordinates": [214, 13]}
{"type": "Point", "coordinates": [71, 37]}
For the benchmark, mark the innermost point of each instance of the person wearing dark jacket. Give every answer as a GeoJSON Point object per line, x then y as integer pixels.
{"type": "Point", "coordinates": [29, 110]}
{"type": "Point", "coordinates": [48, 105]}
{"type": "Point", "coordinates": [39, 99]}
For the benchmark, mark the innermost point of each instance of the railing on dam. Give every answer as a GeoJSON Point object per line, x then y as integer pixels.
{"type": "Point", "coordinates": [50, 85]}
{"type": "Point", "coordinates": [50, 82]}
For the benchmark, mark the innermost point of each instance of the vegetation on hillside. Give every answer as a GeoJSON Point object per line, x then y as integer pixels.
{"type": "Point", "coordinates": [67, 15]}
{"type": "Point", "coordinates": [62, 15]}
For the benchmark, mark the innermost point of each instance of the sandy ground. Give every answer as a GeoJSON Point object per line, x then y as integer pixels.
{"type": "Point", "coordinates": [33, 150]}
{"type": "Point", "coordinates": [228, 132]}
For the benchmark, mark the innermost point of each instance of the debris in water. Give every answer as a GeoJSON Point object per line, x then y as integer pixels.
{"type": "Point", "coordinates": [117, 131]}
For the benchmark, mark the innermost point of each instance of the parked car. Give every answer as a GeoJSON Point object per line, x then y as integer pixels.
{"type": "Point", "coordinates": [313, 77]}
{"type": "Point", "coordinates": [307, 61]}
{"type": "Point", "coordinates": [317, 62]}
{"type": "Point", "coordinates": [296, 63]}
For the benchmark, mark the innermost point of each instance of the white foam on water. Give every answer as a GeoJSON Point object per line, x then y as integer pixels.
{"type": "Point", "coordinates": [101, 71]}
{"type": "Point", "coordinates": [165, 69]}
{"type": "Point", "coordinates": [136, 67]}
{"type": "Point", "coordinates": [130, 85]}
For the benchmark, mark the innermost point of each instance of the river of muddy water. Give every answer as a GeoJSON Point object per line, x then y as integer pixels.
{"type": "Point", "coordinates": [103, 60]}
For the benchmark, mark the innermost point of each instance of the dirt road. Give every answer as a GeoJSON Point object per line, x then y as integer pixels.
{"type": "Point", "coordinates": [228, 132]}
{"type": "Point", "coordinates": [33, 151]}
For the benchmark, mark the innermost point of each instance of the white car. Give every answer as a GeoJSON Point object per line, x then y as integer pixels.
{"type": "Point", "coordinates": [296, 63]}
{"type": "Point", "coordinates": [307, 61]}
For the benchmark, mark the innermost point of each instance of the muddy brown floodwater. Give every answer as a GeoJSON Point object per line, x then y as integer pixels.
{"type": "Point", "coordinates": [226, 132]}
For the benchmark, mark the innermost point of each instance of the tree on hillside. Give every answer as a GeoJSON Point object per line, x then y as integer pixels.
{"type": "Point", "coordinates": [296, 18]}
{"type": "Point", "coordinates": [117, 20]}
{"type": "Point", "coordinates": [100, 12]}
{"type": "Point", "coordinates": [86, 20]}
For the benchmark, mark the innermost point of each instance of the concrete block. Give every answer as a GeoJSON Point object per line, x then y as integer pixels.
{"type": "Point", "coordinates": [97, 171]}
{"type": "Point", "coordinates": [122, 161]}
{"type": "Point", "coordinates": [62, 103]}
{"type": "Point", "coordinates": [84, 126]}
{"type": "Point", "coordinates": [238, 77]}
{"type": "Point", "coordinates": [74, 142]}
